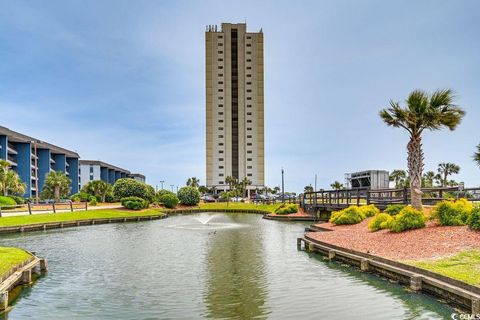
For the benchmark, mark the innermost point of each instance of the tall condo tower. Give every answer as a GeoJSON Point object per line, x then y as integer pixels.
{"type": "Point", "coordinates": [234, 105]}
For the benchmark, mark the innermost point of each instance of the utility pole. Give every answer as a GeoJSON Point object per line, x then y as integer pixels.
{"type": "Point", "coordinates": [162, 181]}
{"type": "Point", "coordinates": [315, 183]}
{"type": "Point", "coordinates": [283, 188]}
{"type": "Point", "coordinates": [172, 186]}
{"type": "Point", "coordinates": [36, 170]}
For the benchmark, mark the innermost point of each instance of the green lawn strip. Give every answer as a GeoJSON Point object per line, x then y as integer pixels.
{"type": "Point", "coordinates": [464, 266]}
{"type": "Point", "coordinates": [74, 216]}
{"type": "Point", "coordinates": [11, 257]}
{"type": "Point", "coordinates": [239, 205]}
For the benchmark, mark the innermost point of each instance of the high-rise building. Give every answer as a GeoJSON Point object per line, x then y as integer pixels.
{"type": "Point", "coordinates": [234, 105]}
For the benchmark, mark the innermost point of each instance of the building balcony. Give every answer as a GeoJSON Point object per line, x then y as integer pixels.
{"type": "Point", "coordinates": [12, 163]}
{"type": "Point", "coordinates": [10, 150]}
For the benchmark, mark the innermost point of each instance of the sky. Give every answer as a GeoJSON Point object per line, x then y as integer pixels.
{"type": "Point", "coordinates": [124, 81]}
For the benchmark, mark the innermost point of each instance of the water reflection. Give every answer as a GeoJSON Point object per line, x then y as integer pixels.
{"type": "Point", "coordinates": [236, 282]}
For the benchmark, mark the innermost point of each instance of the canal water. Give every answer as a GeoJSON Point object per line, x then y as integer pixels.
{"type": "Point", "coordinates": [228, 266]}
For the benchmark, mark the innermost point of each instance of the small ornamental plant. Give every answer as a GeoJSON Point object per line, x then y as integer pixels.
{"type": "Point", "coordinates": [474, 219]}
{"type": "Point", "coordinates": [408, 219]}
{"type": "Point", "coordinates": [134, 203]}
{"type": "Point", "coordinates": [168, 199]}
{"type": "Point", "coordinates": [394, 209]}
{"type": "Point", "coordinates": [369, 211]}
{"type": "Point", "coordinates": [380, 221]}
{"type": "Point", "coordinates": [286, 208]}
{"type": "Point", "coordinates": [453, 212]}
{"type": "Point", "coordinates": [350, 215]}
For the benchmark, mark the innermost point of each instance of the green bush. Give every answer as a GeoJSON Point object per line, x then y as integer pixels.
{"type": "Point", "coordinates": [169, 199]}
{"type": "Point", "coordinates": [350, 215]}
{"type": "Point", "coordinates": [127, 187]}
{"type": "Point", "coordinates": [7, 201]}
{"type": "Point", "coordinates": [369, 211]}
{"type": "Point", "coordinates": [134, 203]}
{"type": "Point", "coordinates": [18, 200]}
{"type": "Point", "coordinates": [81, 197]}
{"type": "Point", "coordinates": [189, 196]}
{"type": "Point", "coordinates": [394, 209]}
{"type": "Point", "coordinates": [409, 218]}
{"type": "Point", "coordinates": [380, 221]}
{"type": "Point", "coordinates": [286, 208]}
{"type": "Point", "coordinates": [452, 212]}
{"type": "Point", "coordinates": [94, 201]}
{"type": "Point", "coordinates": [109, 198]}
{"type": "Point", "coordinates": [474, 219]}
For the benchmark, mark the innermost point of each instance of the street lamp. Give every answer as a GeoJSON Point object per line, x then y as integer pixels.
{"type": "Point", "coordinates": [172, 186]}
{"type": "Point", "coordinates": [162, 181]}
{"type": "Point", "coordinates": [283, 188]}
{"type": "Point", "coordinates": [36, 170]}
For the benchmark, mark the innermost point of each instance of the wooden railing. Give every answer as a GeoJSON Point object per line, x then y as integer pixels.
{"type": "Point", "coordinates": [384, 197]}
{"type": "Point", "coordinates": [54, 206]}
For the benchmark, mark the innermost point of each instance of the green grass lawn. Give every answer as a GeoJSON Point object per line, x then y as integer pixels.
{"type": "Point", "coordinates": [464, 266]}
{"type": "Point", "coordinates": [10, 257]}
{"type": "Point", "coordinates": [73, 216]}
{"type": "Point", "coordinates": [239, 205]}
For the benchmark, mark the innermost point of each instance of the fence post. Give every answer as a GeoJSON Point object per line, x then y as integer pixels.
{"type": "Point", "coordinates": [0, 211]}
{"type": "Point", "coordinates": [71, 206]}
{"type": "Point", "coordinates": [86, 206]}
{"type": "Point", "coordinates": [54, 210]}
{"type": "Point", "coordinates": [405, 195]}
{"type": "Point", "coordinates": [29, 208]}
{"type": "Point", "coordinates": [358, 197]}
{"type": "Point", "coordinates": [368, 197]}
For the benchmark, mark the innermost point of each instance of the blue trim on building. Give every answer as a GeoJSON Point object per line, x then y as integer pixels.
{"type": "Point", "coordinates": [104, 174]}
{"type": "Point", "coordinates": [4, 146]}
{"type": "Point", "coordinates": [111, 176]}
{"type": "Point", "coordinates": [118, 175]}
{"type": "Point", "coordinates": [60, 162]}
{"type": "Point", "coordinates": [24, 165]}
{"type": "Point", "coordinates": [43, 166]}
{"type": "Point", "coordinates": [73, 174]}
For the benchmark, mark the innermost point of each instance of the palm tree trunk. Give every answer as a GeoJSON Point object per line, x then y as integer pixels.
{"type": "Point", "coordinates": [56, 194]}
{"type": "Point", "coordinates": [415, 168]}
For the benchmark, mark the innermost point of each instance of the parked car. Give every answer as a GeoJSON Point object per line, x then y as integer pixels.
{"type": "Point", "coordinates": [207, 198]}
{"type": "Point", "coordinates": [236, 199]}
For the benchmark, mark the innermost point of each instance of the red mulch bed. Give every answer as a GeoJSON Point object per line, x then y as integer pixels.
{"type": "Point", "coordinates": [431, 242]}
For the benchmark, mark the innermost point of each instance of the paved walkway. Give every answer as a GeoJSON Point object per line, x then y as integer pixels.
{"type": "Point", "coordinates": [25, 213]}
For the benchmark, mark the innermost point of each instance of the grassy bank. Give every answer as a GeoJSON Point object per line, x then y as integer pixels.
{"type": "Point", "coordinates": [239, 205]}
{"type": "Point", "coordinates": [73, 216]}
{"type": "Point", "coordinates": [11, 257]}
{"type": "Point", "coordinates": [464, 266]}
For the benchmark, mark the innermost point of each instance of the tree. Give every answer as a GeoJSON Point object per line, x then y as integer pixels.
{"type": "Point", "coordinates": [10, 182]}
{"type": "Point", "coordinates": [337, 186]}
{"type": "Point", "coordinates": [231, 181]}
{"type": "Point", "coordinates": [422, 112]}
{"type": "Point", "coordinates": [276, 190]}
{"type": "Point", "coordinates": [203, 189]}
{"type": "Point", "coordinates": [428, 178]}
{"type": "Point", "coordinates": [98, 188]}
{"type": "Point", "coordinates": [398, 176]}
{"type": "Point", "coordinates": [308, 189]}
{"type": "Point", "coordinates": [242, 186]}
{"type": "Point", "coordinates": [127, 187]}
{"type": "Point", "coordinates": [446, 169]}
{"type": "Point", "coordinates": [193, 182]}
{"type": "Point", "coordinates": [476, 156]}
{"type": "Point", "coordinates": [57, 186]}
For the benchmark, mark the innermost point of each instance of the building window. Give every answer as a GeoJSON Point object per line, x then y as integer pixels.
{"type": "Point", "coordinates": [249, 60]}
{"type": "Point", "coordinates": [249, 167]}
{"type": "Point", "coordinates": [91, 169]}
{"type": "Point", "coordinates": [220, 105]}
{"type": "Point", "coordinates": [220, 44]}
{"type": "Point", "coordinates": [220, 151]}
{"type": "Point", "coordinates": [220, 113]}
{"type": "Point", "coordinates": [249, 98]}
{"type": "Point", "coordinates": [220, 182]}
{"type": "Point", "coordinates": [249, 136]}
{"type": "Point", "coordinates": [220, 52]}
{"type": "Point", "coordinates": [249, 75]}
{"type": "Point", "coordinates": [249, 159]}
{"type": "Point", "coordinates": [249, 68]}
{"type": "Point", "coordinates": [220, 59]}
{"type": "Point", "coordinates": [249, 151]}
{"type": "Point", "coordinates": [220, 136]}
{"type": "Point", "coordinates": [220, 128]}
{"type": "Point", "coordinates": [220, 98]}
{"type": "Point", "coordinates": [249, 37]}
{"type": "Point", "coordinates": [220, 67]}
{"type": "Point", "coordinates": [91, 178]}
{"type": "Point", "coordinates": [248, 90]}
{"type": "Point", "coordinates": [249, 113]}
{"type": "Point", "coordinates": [249, 105]}
{"type": "Point", "coordinates": [220, 143]}
{"type": "Point", "coordinates": [249, 144]}
{"type": "Point", "coordinates": [249, 121]}
{"type": "Point", "coordinates": [220, 175]}
{"type": "Point", "coordinates": [249, 174]}
{"type": "Point", "coordinates": [220, 167]}
{"type": "Point", "coordinates": [220, 74]}
{"type": "Point", "coordinates": [220, 82]}
{"type": "Point", "coordinates": [249, 129]}
{"type": "Point", "coordinates": [249, 83]}
{"type": "Point", "coordinates": [249, 44]}
{"type": "Point", "coordinates": [220, 121]}
{"type": "Point", "coordinates": [220, 159]}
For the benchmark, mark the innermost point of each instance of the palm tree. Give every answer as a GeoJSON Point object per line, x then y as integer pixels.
{"type": "Point", "coordinates": [446, 169]}
{"type": "Point", "coordinates": [242, 186]}
{"type": "Point", "coordinates": [98, 188]}
{"type": "Point", "coordinates": [336, 185]}
{"type": "Point", "coordinates": [476, 156]}
{"type": "Point", "coordinates": [231, 181]}
{"type": "Point", "coordinates": [57, 185]}
{"type": "Point", "coordinates": [193, 182]}
{"type": "Point", "coordinates": [308, 189]}
{"type": "Point", "coordinates": [422, 112]}
{"type": "Point", "coordinates": [398, 176]}
{"type": "Point", "coordinates": [428, 178]}
{"type": "Point", "coordinates": [10, 182]}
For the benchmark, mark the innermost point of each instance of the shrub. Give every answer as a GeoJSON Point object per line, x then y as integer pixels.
{"type": "Point", "coordinates": [453, 213]}
{"type": "Point", "coordinates": [7, 201]}
{"type": "Point", "coordinates": [394, 209]}
{"type": "Point", "coordinates": [109, 197]}
{"type": "Point", "coordinates": [169, 199]}
{"type": "Point", "coordinates": [369, 211]}
{"type": "Point", "coordinates": [127, 187]}
{"type": "Point", "coordinates": [350, 215]}
{"type": "Point", "coordinates": [189, 196]}
{"type": "Point", "coordinates": [94, 201]}
{"type": "Point", "coordinates": [380, 221]}
{"type": "Point", "coordinates": [81, 197]}
{"type": "Point", "coordinates": [408, 218]}
{"type": "Point", "coordinates": [134, 203]}
{"type": "Point", "coordinates": [286, 208]}
{"type": "Point", "coordinates": [474, 219]}
{"type": "Point", "coordinates": [18, 200]}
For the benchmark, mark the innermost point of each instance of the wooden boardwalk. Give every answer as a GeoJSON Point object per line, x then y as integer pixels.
{"type": "Point", "coordinates": [325, 201]}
